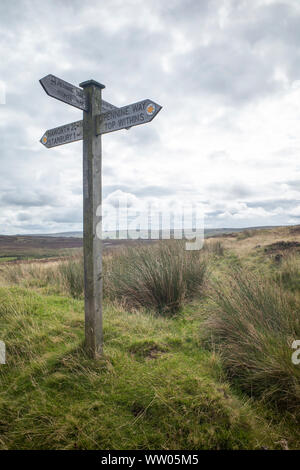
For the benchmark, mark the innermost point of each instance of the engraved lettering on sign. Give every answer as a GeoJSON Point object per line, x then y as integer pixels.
{"type": "Point", "coordinates": [131, 115]}
{"type": "Point", "coordinates": [64, 91]}
{"type": "Point", "coordinates": [63, 134]}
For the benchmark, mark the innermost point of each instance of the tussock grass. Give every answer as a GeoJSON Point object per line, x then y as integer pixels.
{"type": "Point", "coordinates": [253, 326]}
{"type": "Point", "coordinates": [288, 274]}
{"type": "Point", "coordinates": [71, 274]}
{"type": "Point", "coordinates": [214, 247]}
{"type": "Point", "coordinates": [160, 277]}
{"type": "Point", "coordinates": [30, 274]}
{"type": "Point", "coordinates": [14, 306]}
{"type": "Point", "coordinates": [65, 276]}
{"type": "Point", "coordinates": [246, 234]}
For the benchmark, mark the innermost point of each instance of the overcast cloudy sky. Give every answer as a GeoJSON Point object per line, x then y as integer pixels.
{"type": "Point", "coordinates": [227, 73]}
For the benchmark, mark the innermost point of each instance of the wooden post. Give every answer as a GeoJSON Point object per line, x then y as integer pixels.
{"type": "Point", "coordinates": [92, 199]}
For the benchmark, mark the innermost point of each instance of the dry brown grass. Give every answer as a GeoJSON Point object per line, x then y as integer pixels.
{"type": "Point", "coordinates": [57, 276]}
{"type": "Point", "coordinates": [259, 238]}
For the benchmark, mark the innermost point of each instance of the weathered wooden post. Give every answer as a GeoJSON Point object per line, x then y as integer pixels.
{"type": "Point", "coordinates": [99, 117]}
{"type": "Point", "coordinates": [92, 244]}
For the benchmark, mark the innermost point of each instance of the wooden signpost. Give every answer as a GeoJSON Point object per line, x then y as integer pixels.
{"type": "Point", "coordinates": [99, 117]}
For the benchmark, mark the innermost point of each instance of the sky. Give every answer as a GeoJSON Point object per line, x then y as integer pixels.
{"type": "Point", "coordinates": [227, 73]}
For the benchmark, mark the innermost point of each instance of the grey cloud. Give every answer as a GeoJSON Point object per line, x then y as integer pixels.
{"type": "Point", "coordinates": [225, 69]}
{"type": "Point", "coordinates": [273, 204]}
{"type": "Point", "coordinates": [233, 191]}
{"type": "Point", "coordinates": [294, 184]}
{"type": "Point", "coordinates": [32, 228]}
{"type": "Point", "coordinates": [286, 152]}
{"type": "Point", "coordinates": [155, 191]}
{"type": "Point", "coordinates": [146, 191]}
{"type": "Point", "coordinates": [238, 61]}
{"type": "Point", "coordinates": [66, 216]}
{"type": "Point", "coordinates": [189, 15]}
{"type": "Point", "coordinates": [77, 191]}
{"type": "Point", "coordinates": [28, 198]}
{"type": "Point", "coordinates": [108, 170]}
{"type": "Point", "coordinates": [24, 216]}
{"type": "Point", "coordinates": [278, 22]}
{"type": "Point", "coordinates": [145, 138]}
{"type": "Point", "coordinates": [219, 156]}
{"type": "Point", "coordinates": [108, 189]}
{"type": "Point", "coordinates": [213, 214]}
{"type": "Point", "coordinates": [180, 54]}
{"type": "Point", "coordinates": [50, 217]}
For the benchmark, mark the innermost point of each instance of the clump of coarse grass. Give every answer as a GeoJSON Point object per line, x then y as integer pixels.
{"type": "Point", "coordinates": [246, 234]}
{"type": "Point", "coordinates": [288, 274]}
{"type": "Point", "coordinates": [28, 274]}
{"type": "Point", "coordinates": [159, 277]}
{"type": "Point", "coordinates": [18, 320]}
{"type": "Point", "coordinates": [71, 273]}
{"type": "Point", "coordinates": [12, 305]}
{"type": "Point", "coordinates": [65, 276]}
{"type": "Point", "coordinates": [254, 325]}
{"type": "Point", "coordinates": [13, 273]}
{"type": "Point", "coordinates": [214, 247]}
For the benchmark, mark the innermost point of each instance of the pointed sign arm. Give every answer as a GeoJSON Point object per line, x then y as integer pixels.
{"type": "Point", "coordinates": [68, 93]}
{"type": "Point", "coordinates": [63, 134]}
{"type": "Point", "coordinates": [130, 115]}
{"type": "Point", "coordinates": [64, 91]}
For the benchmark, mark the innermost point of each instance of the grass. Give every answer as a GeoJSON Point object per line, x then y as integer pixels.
{"type": "Point", "coordinates": [161, 277]}
{"type": "Point", "coordinates": [158, 385]}
{"type": "Point", "coordinates": [155, 388]}
{"type": "Point", "coordinates": [64, 276]}
{"type": "Point", "coordinates": [246, 234]}
{"type": "Point", "coordinates": [71, 276]}
{"type": "Point", "coordinates": [253, 327]}
{"type": "Point", "coordinates": [288, 273]}
{"type": "Point", "coordinates": [214, 247]}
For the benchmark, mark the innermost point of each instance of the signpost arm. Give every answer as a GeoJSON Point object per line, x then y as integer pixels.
{"type": "Point", "coordinates": [92, 244]}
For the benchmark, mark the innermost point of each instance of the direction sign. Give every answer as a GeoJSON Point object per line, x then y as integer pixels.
{"type": "Point", "coordinates": [63, 134]}
{"type": "Point", "coordinates": [130, 115]}
{"type": "Point", "coordinates": [64, 91]}
{"type": "Point", "coordinates": [69, 132]}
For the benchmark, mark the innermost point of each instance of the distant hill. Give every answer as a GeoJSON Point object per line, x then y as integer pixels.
{"type": "Point", "coordinates": [208, 232]}
{"type": "Point", "coordinates": [62, 234]}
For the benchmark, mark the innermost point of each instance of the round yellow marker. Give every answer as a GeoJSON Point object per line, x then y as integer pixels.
{"type": "Point", "coordinates": [45, 139]}
{"type": "Point", "coordinates": [150, 109]}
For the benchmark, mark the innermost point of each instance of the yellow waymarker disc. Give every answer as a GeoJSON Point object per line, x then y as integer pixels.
{"type": "Point", "coordinates": [150, 109]}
